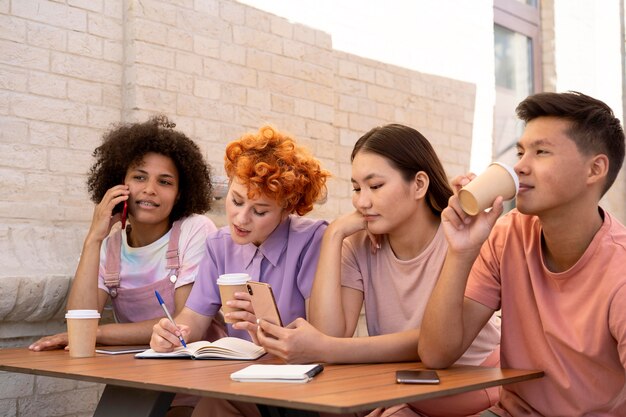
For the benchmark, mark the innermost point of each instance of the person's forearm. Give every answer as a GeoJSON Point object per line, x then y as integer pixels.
{"type": "Point", "coordinates": [126, 333]}
{"type": "Point", "coordinates": [325, 305]}
{"type": "Point", "coordinates": [84, 290]}
{"type": "Point", "coordinates": [397, 347]}
{"type": "Point", "coordinates": [442, 326]}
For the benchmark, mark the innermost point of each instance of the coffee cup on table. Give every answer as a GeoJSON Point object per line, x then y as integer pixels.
{"type": "Point", "coordinates": [82, 328]}
{"type": "Point", "coordinates": [498, 180]}
{"type": "Point", "coordinates": [229, 284]}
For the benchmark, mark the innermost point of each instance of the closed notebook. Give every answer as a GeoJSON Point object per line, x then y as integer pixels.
{"type": "Point", "coordinates": [277, 373]}
{"type": "Point", "coordinates": [224, 348]}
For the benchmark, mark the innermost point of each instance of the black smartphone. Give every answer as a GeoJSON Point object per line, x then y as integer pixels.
{"type": "Point", "coordinates": [417, 376]}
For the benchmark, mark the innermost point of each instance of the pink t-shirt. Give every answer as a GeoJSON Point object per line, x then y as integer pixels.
{"type": "Point", "coordinates": [143, 266]}
{"type": "Point", "coordinates": [571, 325]}
{"type": "Point", "coordinates": [396, 292]}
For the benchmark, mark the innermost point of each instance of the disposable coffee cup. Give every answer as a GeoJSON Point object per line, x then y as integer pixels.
{"type": "Point", "coordinates": [481, 192]}
{"type": "Point", "coordinates": [229, 284]}
{"type": "Point", "coordinates": [82, 327]}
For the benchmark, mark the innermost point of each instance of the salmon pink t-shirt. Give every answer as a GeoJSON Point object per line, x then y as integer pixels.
{"type": "Point", "coordinates": [571, 325]}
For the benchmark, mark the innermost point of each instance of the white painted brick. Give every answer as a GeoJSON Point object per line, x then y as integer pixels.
{"type": "Point", "coordinates": [13, 184]}
{"type": "Point", "coordinates": [86, 68]}
{"type": "Point", "coordinates": [233, 12]}
{"type": "Point", "coordinates": [14, 385]}
{"type": "Point", "coordinates": [211, 7]}
{"type": "Point", "coordinates": [319, 130]}
{"type": "Point", "coordinates": [93, 5]}
{"type": "Point", "coordinates": [4, 6]}
{"type": "Point", "coordinates": [284, 66]}
{"type": "Point", "coordinates": [48, 109]}
{"type": "Point", "coordinates": [105, 27]}
{"type": "Point", "coordinates": [305, 108]}
{"type": "Point", "coordinates": [111, 96]}
{"type": "Point", "coordinates": [85, 44]}
{"type": "Point", "coordinates": [22, 156]}
{"type": "Point", "coordinates": [348, 137]}
{"type": "Point", "coordinates": [281, 27]}
{"type": "Point", "coordinates": [102, 116]}
{"type": "Point", "coordinates": [177, 81]}
{"type": "Point", "coordinates": [48, 134]}
{"type": "Point", "coordinates": [304, 34]}
{"type": "Point", "coordinates": [70, 161]}
{"type": "Point", "coordinates": [13, 130]}
{"type": "Point", "coordinates": [54, 14]}
{"type": "Point", "coordinates": [236, 74]}
{"type": "Point", "coordinates": [204, 25]}
{"type": "Point", "coordinates": [189, 63]}
{"type": "Point", "coordinates": [253, 38]}
{"type": "Point", "coordinates": [149, 76]}
{"type": "Point", "coordinates": [113, 8]}
{"type": "Point", "coordinates": [294, 49]}
{"type": "Point", "coordinates": [259, 99]}
{"type": "Point", "coordinates": [259, 60]}
{"type": "Point", "coordinates": [12, 29]}
{"type": "Point", "coordinates": [25, 56]}
{"type": "Point", "coordinates": [47, 84]}
{"type": "Point", "coordinates": [86, 138]}
{"type": "Point", "coordinates": [45, 182]}
{"type": "Point", "coordinates": [258, 19]}
{"type": "Point", "coordinates": [206, 88]}
{"type": "Point", "coordinates": [206, 46]}
{"type": "Point", "coordinates": [84, 91]}
{"type": "Point", "coordinates": [324, 113]}
{"type": "Point", "coordinates": [155, 100]}
{"type": "Point", "coordinates": [315, 73]}
{"type": "Point", "coordinates": [113, 51]}
{"type": "Point", "coordinates": [152, 32]}
{"type": "Point", "coordinates": [5, 98]}
{"type": "Point", "coordinates": [180, 39]}
{"type": "Point", "coordinates": [13, 79]}
{"type": "Point", "coordinates": [234, 54]}
{"type": "Point", "coordinates": [282, 104]}
{"type": "Point", "coordinates": [154, 55]}
{"type": "Point", "coordinates": [348, 69]}
{"type": "Point", "coordinates": [234, 94]}
{"type": "Point", "coordinates": [200, 107]}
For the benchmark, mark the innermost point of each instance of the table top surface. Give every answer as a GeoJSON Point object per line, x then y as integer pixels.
{"type": "Point", "coordinates": [338, 389]}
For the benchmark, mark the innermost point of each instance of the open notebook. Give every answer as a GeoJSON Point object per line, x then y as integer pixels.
{"type": "Point", "coordinates": [224, 348]}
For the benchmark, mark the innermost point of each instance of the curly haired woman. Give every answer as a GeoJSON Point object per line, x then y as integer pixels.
{"type": "Point", "coordinates": [273, 182]}
{"type": "Point", "coordinates": [164, 181]}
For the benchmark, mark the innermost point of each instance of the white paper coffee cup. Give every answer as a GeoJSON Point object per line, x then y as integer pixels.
{"type": "Point", "coordinates": [498, 180]}
{"type": "Point", "coordinates": [229, 284]}
{"type": "Point", "coordinates": [82, 328]}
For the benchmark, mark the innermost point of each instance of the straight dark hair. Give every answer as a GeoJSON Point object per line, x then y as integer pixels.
{"type": "Point", "coordinates": [593, 128]}
{"type": "Point", "coordinates": [409, 152]}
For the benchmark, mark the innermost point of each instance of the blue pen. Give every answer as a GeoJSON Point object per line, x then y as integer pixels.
{"type": "Point", "coordinates": [169, 316]}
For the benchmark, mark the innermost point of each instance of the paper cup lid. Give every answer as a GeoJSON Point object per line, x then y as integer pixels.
{"type": "Point", "coordinates": [511, 171]}
{"type": "Point", "coordinates": [233, 279]}
{"type": "Point", "coordinates": [82, 314]}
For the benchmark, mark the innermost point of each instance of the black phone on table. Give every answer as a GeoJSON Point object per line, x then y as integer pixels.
{"type": "Point", "coordinates": [417, 376]}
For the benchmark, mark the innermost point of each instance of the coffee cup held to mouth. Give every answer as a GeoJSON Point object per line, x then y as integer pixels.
{"type": "Point", "coordinates": [229, 284]}
{"type": "Point", "coordinates": [498, 180]}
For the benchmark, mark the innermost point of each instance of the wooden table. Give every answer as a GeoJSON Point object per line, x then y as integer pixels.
{"type": "Point", "coordinates": [145, 387]}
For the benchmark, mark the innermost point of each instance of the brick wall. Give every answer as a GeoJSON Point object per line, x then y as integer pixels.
{"type": "Point", "coordinates": [71, 68]}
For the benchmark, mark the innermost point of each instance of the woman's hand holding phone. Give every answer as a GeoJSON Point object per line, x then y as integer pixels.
{"type": "Point", "coordinates": [103, 217]}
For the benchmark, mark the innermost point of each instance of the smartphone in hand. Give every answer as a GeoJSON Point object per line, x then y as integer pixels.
{"type": "Point", "coordinates": [263, 302]}
{"type": "Point", "coordinates": [124, 214]}
{"type": "Point", "coordinates": [417, 376]}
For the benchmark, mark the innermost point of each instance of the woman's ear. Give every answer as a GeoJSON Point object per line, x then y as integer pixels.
{"type": "Point", "coordinates": [420, 184]}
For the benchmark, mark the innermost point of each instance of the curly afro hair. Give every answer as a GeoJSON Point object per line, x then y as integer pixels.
{"type": "Point", "coordinates": [271, 163]}
{"type": "Point", "coordinates": [125, 146]}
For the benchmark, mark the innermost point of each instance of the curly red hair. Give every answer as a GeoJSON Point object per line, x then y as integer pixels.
{"type": "Point", "coordinates": [271, 163]}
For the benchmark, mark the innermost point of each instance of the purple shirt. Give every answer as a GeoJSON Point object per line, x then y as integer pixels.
{"type": "Point", "coordinates": [288, 260]}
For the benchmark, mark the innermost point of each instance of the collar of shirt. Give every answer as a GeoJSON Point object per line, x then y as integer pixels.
{"type": "Point", "coordinates": [273, 246]}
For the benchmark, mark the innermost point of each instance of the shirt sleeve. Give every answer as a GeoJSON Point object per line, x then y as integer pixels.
{"type": "Point", "coordinates": [192, 247]}
{"type": "Point", "coordinates": [204, 297]}
{"type": "Point", "coordinates": [308, 261]}
{"type": "Point", "coordinates": [617, 322]}
{"type": "Point", "coordinates": [483, 284]}
{"type": "Point", "coordinates": [351, 275]}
